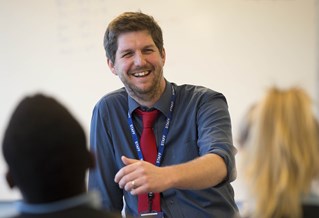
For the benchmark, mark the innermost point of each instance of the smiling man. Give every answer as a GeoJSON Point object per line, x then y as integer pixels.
{"type": "Point", "coordinates": [188, 171]}
{"type": "Point", "coordinates": [139, 64]}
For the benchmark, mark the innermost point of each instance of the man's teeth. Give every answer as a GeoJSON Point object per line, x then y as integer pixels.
{"type": "Point", "coordinates": [140, 74]}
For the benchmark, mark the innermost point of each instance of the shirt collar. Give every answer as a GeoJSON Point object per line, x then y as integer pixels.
{"type": "Point", "coordinates": [162, 104]}
{"type": "Point", "coordinates": [91, 199]}
{"type": "Point", "coordinates": [311, 198]}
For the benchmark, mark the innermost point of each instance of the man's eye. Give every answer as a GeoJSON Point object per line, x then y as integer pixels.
{"type": "Point", "coordinates": [148, 51]}
{"type": "Point", "coordinates": [128, 54]}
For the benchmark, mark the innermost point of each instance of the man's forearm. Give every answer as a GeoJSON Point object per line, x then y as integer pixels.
{"type": "Point", "coordinates": [203, 172]}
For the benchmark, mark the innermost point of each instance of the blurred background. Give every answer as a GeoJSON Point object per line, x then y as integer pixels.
{"type": "Point", "coordinates": [237, 47]}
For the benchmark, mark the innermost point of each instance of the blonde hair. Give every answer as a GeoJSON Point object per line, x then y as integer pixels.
{"type": "Point", "coordinates": [282, 153]}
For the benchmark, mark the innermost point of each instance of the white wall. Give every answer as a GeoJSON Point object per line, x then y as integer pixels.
{"type": "Point", "coordinates": [237, 47]}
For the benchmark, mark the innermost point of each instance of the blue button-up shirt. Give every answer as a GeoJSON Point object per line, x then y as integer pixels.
{"type": "Point", "coordinates": [200, 125]}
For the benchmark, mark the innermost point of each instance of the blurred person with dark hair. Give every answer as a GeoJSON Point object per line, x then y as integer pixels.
{"type": "Point", "coordinates": [46, 152]}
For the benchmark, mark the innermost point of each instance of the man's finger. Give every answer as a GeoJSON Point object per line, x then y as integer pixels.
{"type": "Point", "coordinates": [128, 161]}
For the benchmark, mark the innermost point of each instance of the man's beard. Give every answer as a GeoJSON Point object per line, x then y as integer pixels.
{"type": "Point", "coordinates": [145, 94]}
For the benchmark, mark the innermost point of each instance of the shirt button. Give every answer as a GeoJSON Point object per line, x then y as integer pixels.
{"type": "Point", "coordinates": [171, 201]}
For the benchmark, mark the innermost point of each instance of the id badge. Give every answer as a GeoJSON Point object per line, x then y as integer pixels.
{"type": "Point", "coordinates": [152, 215]}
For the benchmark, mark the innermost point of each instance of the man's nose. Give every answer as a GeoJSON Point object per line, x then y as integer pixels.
{"type": "Point", "coordinates": [139, 59]}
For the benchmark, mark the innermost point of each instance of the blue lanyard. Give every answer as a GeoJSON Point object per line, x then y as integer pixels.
{"type": "Point", "coordinates": [164, 135]}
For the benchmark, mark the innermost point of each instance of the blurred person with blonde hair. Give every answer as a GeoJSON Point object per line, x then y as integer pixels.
{"type": "Point", "coordinates": [281, 155]}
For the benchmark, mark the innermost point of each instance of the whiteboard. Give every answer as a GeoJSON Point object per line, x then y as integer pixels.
{"type": "Point", "coordinates": [237, 47]}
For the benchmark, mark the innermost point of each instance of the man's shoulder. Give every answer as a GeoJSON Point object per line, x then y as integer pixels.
{"type": "Point", "coordinates": [189, 90]}
{"type": "Point", "coordinates": [93, 213]}
{"type": "Point", "coordinates": [81, 211]}
{"type": "Point", "coordinates": [115, 97]}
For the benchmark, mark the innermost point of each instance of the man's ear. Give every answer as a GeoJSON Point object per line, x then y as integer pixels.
{"type": "Point", "coordinates": [163, 55]}
{"type": "Point", "coordinates": [111, 66]}
{"type": "Point", "coordinates": [10, 180]}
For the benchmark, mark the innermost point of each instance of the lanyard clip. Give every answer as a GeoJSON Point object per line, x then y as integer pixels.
{"type": "Point", "coordinates": [150, 201]}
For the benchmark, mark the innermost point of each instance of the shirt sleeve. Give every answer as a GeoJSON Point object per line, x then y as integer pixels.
{"type": "Point", "coordinates": [214, 131]}
{"type": "Point", "coordinates": [102, 177]}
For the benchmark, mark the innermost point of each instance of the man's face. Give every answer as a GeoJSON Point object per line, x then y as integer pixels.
{"type": "Point", "coordinates": [139, 64]}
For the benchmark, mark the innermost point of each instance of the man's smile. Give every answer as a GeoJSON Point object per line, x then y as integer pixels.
{"type": "Point", "coordinates": [142, 74]}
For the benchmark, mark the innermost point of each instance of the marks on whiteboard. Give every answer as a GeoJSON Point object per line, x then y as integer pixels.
{"type": "Point", "coordinates": [78, 25]}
